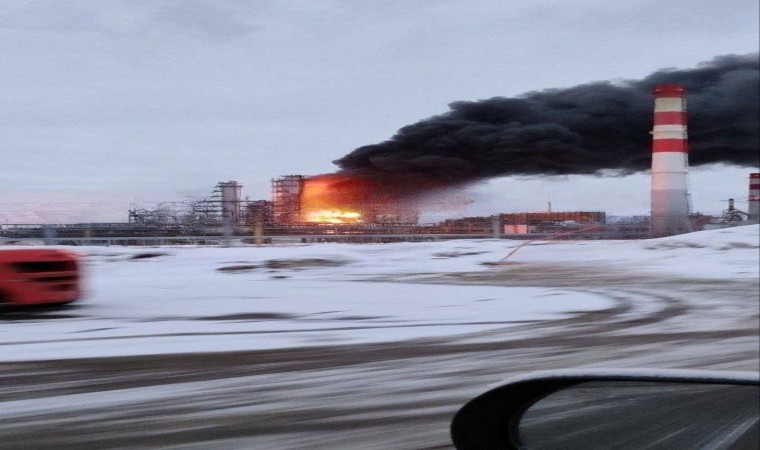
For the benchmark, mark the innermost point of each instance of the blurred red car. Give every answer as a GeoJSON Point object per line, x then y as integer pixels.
{"type": "Point", "coordinates": [38, 276]}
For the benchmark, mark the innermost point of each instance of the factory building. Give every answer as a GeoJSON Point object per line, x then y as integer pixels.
{"type": "Point", "coordinates": [550, 221]}
{"type": "Point", "coordinates": [527, 222]}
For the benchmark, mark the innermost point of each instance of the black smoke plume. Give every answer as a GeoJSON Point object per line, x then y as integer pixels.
{"type": "Point", "coordinates": [585, 129]}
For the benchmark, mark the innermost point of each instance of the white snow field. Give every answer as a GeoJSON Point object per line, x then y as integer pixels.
{"type": "Point", "coordinates": [169, 300]}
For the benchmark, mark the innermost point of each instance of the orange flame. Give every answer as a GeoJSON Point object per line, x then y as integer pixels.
{"type": "Point", "coordinates": [333, 216]}
{"type": "Point", "coordinates": [346, 198]}
{"type": "Point", "coordinates": [332, 199]}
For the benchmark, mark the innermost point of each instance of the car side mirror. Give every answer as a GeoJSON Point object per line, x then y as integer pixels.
{"type": "Point", "coordinates": [661, 409]}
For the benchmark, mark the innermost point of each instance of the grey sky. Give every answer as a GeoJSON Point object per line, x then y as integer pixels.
{"type": "Point", "coordinates": [110, 102]}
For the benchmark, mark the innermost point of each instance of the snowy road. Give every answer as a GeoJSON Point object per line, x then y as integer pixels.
{"type": "Point", "coordinates": [398, 394]}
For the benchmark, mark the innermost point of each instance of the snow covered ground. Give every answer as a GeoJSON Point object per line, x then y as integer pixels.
{"type": "Point", "coordinates": [357, 346]}
{"type": "Point", "coordinates": [168, 300]}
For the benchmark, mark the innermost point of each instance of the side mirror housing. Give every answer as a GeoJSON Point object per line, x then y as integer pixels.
{"type": "Point", "coordinates": [600, 409]}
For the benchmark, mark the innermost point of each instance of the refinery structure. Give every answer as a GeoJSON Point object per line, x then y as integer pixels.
{"type": "Point", "coordinates": [340, 206]}
{"type": "Point", "coordinates": [289, 214]}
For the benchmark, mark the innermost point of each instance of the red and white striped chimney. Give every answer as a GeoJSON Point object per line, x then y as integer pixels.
{"type": "Point", "coordinates": [754, 196]}
{"type": "Point", "coordinates": [670, 161]}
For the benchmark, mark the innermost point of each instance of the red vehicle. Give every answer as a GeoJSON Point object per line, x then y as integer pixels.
{"type": "Point", "coordinates": [37, 276]}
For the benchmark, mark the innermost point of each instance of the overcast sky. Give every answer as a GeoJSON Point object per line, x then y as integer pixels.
{"type": "Point", "coordinates": [111, 102]}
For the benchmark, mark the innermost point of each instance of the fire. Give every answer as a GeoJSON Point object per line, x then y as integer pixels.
{"type": "Point", "coordinates": [333, 199]}
{"type": "Point", "coordinates": [346, 198]}
{"type": "Point", "coordinates": [333, 216]}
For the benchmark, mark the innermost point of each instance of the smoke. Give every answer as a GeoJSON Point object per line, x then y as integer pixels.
{"type": "Point", "coordinates": [593, 128]}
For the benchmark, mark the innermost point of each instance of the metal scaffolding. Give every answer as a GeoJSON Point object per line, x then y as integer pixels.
{"type": "Point", "coordinates": [286, 198]}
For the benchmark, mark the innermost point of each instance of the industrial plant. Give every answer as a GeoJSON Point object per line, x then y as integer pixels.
{"type": "Point", "coordinates": [346, 206]}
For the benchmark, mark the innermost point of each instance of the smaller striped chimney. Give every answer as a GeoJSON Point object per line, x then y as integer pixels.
{"type": "Point", "coordinates": [754, 196]}
{"type": "Point", "coordinates": [670, 161]}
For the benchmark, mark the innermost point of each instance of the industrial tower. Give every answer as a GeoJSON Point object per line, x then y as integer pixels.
{"type": "Point", "coordinates": [670, 162]}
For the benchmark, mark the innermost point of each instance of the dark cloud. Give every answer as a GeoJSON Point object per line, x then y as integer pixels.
{"type": "Point", "coordinates": [586, 129]}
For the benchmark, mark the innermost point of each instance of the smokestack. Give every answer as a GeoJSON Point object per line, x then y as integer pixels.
{"type": "Point", "coordinates": [670, 201]}
{"type": "Point", "coordinates": [754, 196]}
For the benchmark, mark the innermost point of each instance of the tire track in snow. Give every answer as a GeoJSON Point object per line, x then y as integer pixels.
{"type": "Point", "coordinates": [391, 396]}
